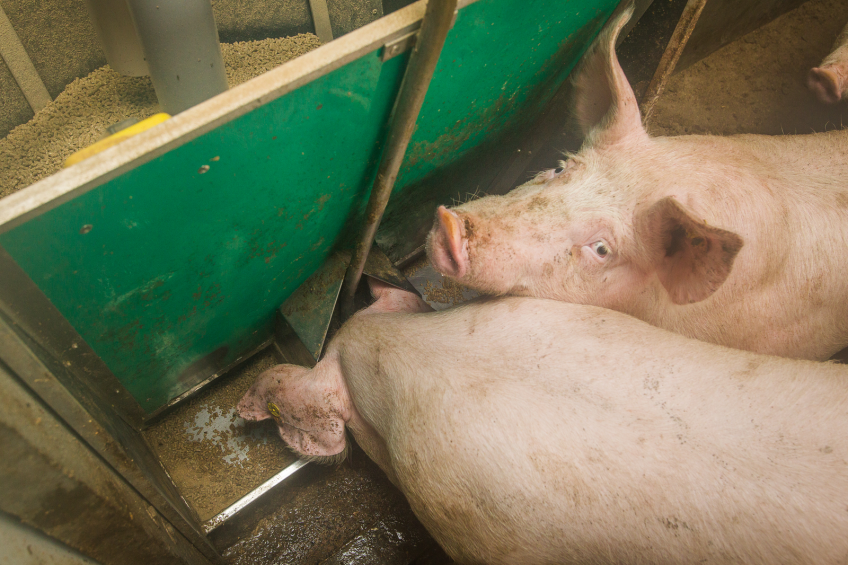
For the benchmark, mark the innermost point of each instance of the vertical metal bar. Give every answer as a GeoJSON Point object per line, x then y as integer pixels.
{"type": "Point", "coordinates": [321, 19]}
{"type": "Point", "coordinates": [118, 38]}
{"type": "Point", "coordinates": [13, 53]}
{"type": "Point", "coordinates": [437, 21]}
{"type": "Point", "coordinates": [180, 44]}
{"type": "Point", "coordinates": [682, 32]}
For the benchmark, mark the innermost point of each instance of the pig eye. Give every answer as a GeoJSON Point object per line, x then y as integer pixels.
{"type": "Point", "coordinates": [558, 170]}
{"type": "Point", "coordinates": [600, 248]}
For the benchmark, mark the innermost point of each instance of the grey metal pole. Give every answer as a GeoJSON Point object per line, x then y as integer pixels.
{"type": "Point", "coordinates": [180, 43]}
{"type": "Point", "coordinates": [437, 21]}
{"type": "Point", "coordinates": [117, 35]}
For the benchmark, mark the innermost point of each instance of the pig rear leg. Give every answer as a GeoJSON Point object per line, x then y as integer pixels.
{"type": "Point", "coordinates": [829, 81]}
{"type": "Point", "coordinates": [392, 299]}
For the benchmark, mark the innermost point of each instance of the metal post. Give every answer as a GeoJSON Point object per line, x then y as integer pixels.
{"type": "Point", "coordinates": [20, 65]}
{"type": "Point", "coordinates": [180, 45]}
{"type": "Point", "coordinates": [438, 18]}
{"type": "Point", "coordinates": [682, 32]}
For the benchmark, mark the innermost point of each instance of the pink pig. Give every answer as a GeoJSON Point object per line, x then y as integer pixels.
{"type": "Point", "coordinates": [530, 431]}
{"type": "Point", "coordinates": [740, 241]}
{"type": "Point", "coordinates": [829, 81]}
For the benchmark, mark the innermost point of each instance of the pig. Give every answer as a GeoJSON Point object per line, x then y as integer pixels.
{"type": "Point", "coordinates": [740, 241]}
{"type": "Point", "coordinates": [526, 431]}
{"type": "Point", "coordinates": [829, 81]}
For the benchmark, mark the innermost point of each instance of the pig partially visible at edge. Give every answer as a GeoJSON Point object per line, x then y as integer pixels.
{"type": "Point", "coordinates": [829, 81]}
{"type": "Point", "coordinates": [529, 431]}
{"type": "Point", "coordinates": [740, 241]}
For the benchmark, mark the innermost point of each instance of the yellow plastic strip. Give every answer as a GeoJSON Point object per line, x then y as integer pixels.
{"type": "Point", "coordinates": [116, 138]}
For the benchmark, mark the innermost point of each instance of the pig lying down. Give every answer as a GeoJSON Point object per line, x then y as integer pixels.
{"type": "Point", "coordinates": [740, 241]}
{"type": "Point", "coordinates": [530, 431]}
{"type": "Point", "coordinates": [829, 81]}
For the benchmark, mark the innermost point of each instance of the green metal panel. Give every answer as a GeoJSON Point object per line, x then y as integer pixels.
{"type": "Point", "coordinates": [175, 268]}
{"type": "Point", "coordinates": [502, 61]}
{"type": "Point", "coordinates": [166, 272]}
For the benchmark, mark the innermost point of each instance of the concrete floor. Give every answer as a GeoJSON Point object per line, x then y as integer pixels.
{"type": "Point", "coordinates": [349, 514]}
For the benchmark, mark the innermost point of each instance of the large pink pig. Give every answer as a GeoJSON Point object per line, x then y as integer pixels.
{"type": "Point", "coordinates": [741, 241]}
{"type": "Point", "coordinates": [531, 431]}
{"type": "Point", "coordinates": [829, 81]}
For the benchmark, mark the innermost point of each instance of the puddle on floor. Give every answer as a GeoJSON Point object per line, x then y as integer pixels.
{"type": "Point", "coordinates": [213, 455]}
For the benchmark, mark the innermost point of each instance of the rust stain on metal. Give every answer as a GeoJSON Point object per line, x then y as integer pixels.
{"type": "Point", "coordinates": [450, 142]}
{"type": "Point", "coordinates": [682, 33]}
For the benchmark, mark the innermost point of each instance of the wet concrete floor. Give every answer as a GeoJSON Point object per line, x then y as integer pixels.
{"type": "Point", "coordinates": [213, 455]}
{"type": "Point", "coordinates": [348, 514]}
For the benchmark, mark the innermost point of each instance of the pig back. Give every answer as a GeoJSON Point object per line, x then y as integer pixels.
{"type": "Point", "coordinates": [531, 431]}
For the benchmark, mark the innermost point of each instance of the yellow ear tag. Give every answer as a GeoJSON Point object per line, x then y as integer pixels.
{"type": "Point", "coordinates": [274, 411]}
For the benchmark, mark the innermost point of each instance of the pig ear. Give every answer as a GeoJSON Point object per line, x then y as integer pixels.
{"type": "Point", "coordinates": [605, 105]}
{"type": "Point", "coordinates": [691, 258]}
{"type": "Point", "coordinates": [252, 406]}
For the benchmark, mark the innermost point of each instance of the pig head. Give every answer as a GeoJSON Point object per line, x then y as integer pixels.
{"type": "Point", "coordinates": [695, 234]}
{"type": "Point", "coordinates": [310, 408]}
{"type": "Point", "coordinates": [599, 228]}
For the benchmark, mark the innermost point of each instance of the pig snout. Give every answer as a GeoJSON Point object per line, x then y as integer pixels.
{"type": "Point", "coordinates": [829, 81]}
{"type": "Point", "coordinates": [826, 84]}
{"type": "Point", "coordinates": [447, 244]}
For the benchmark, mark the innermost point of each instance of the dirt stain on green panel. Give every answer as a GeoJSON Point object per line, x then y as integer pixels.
{"type": "Point", "coordinates": [452, 141]}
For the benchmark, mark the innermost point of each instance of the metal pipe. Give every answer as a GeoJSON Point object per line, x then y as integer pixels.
{"type": "Point", "coordinates": [321, 19]}
{"type": "Point", "coordinates": [437, 21]}
{"type": "Point", "coordinates": [180, 44]}
{"type": "Point", "coordinates": [116, 31]}
{"type": "Point", "coordinates": [14, 54]}
{"type": "Point", "coordinates": [682, 31]}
